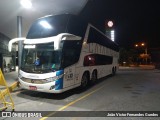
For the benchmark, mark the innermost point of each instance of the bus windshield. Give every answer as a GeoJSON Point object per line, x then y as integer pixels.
{"type": "Point", "coordinates": [48, 27]}
{"type": "Point", "coordinates": [40, 58]}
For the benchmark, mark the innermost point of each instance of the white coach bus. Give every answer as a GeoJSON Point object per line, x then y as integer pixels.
{"type": "Point", "coordinates": [62, 52]}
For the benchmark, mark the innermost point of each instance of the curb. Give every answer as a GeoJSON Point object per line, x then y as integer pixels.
{"type": "Point", "coordinates": [141, 67]}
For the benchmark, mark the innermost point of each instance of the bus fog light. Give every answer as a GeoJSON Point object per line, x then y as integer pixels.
{"type": "Point", "coordinates": [52, 87]}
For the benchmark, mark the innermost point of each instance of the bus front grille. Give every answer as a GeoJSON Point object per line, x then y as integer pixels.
{"type": "Point", "coordinates": [34, 81]}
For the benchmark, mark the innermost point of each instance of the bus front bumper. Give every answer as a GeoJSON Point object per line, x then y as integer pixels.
{"type": "Point", "coordinates": [47, 87]}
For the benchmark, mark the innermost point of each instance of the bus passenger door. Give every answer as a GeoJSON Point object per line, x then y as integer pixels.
{"type": "Point", "coordinates": [69, 76]}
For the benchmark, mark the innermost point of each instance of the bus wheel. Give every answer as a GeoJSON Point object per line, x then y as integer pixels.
{"type": "Point", "coordinates": [94, 77]}
{"type": "Point", "coordinates": [84, 81]}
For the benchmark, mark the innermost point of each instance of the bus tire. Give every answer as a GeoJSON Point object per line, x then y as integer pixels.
{"type": "Point", "coordinates": [93, 77]}
{"type": "Point", "coordinates": [84, 80]}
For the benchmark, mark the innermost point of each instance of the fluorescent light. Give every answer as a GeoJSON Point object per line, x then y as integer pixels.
{"type": "Point", "coordinates": [45, 24]}
{"type": "Point", "coordinates": [112, 35]}
{"type": "Point", "coordinates": [30, 46]}
{"type": "Point", "coordinates": [26, 3]}
{"type": "Point", "coordinates": [112, 31]}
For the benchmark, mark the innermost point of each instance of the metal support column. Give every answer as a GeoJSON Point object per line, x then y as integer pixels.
{"type": "Point", "coordinates": [19, 34]}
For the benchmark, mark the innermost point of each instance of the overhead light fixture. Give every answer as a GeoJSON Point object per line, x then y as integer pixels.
{"type": "Point", "coordinates": [26, 3]}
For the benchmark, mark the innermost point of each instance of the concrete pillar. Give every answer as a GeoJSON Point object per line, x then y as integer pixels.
{"type": "Point", "coordinates": [19, 34]}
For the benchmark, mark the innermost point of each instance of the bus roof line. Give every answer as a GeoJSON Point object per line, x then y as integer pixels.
{"type": "Point", "coordinates": [59, 37]}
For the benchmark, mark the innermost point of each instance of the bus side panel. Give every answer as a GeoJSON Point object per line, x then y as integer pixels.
{"type": "Point", "coordinates": [69, 76]}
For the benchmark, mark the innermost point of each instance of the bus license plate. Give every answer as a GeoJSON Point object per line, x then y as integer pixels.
{"type": "Point", "coordinates": [32, 87]}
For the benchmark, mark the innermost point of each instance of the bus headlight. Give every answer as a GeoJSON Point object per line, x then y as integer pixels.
{"type": "Point", "coordinates": [51, 79]}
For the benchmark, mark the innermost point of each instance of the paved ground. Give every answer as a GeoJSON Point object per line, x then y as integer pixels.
{"type": "Point", "coordinates": [129, 90]}
{"type": "Point", "coordinates": [10, 77]}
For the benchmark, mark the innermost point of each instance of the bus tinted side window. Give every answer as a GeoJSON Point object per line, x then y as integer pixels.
{"type": "Point", "coordinates": [71, 53]}
{"type": "Point", "coordinates": [96, 59]}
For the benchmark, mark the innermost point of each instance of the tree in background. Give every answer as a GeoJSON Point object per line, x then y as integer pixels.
{"type": "Point", "coordinates": [128, 57]}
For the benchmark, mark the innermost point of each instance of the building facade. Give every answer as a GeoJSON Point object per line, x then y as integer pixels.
{"type": "Point", "coordinates": [7, 59]}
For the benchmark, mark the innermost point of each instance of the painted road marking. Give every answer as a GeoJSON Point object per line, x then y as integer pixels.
{"type": "Point", "coordinates": [71, 103]}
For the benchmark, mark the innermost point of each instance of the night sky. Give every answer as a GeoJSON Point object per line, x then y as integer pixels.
{"type": "Point", "coordinates": [134, 20]}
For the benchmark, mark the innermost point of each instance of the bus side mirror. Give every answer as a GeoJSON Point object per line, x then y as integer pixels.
{"type": "Point", "coordinates": [13, 41]}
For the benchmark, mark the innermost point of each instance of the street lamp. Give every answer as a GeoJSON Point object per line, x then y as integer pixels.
{"type": "Point", "coordinates": [143, 45]}
{"type": "Point", "coordinates": [136, 45]}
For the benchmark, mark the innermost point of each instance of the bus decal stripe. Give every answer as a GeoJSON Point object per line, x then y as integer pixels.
{"type": "Point", "coordinates": [60, 72]}
{"type": "Point", "coordinates": [59, 82]}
